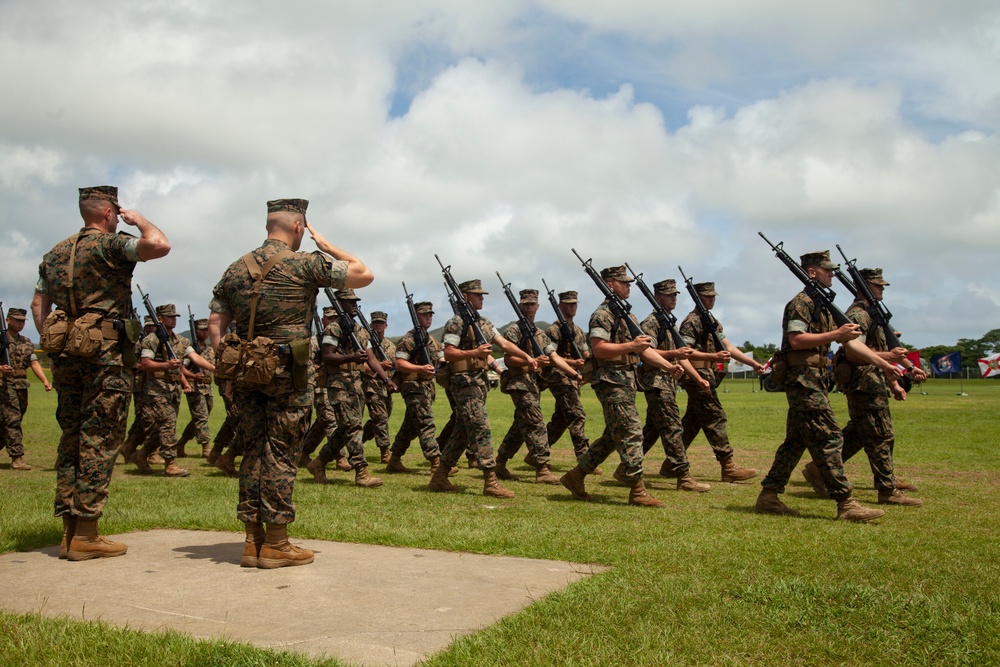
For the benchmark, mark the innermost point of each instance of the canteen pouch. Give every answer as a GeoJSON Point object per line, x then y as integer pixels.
{"type": "Point", "coordinates": [128, 336]}
{"type": "Point", "coordinates": [300, 363]}
{"type": "Point", "coordinates": [260, 361]}
{"type": "Point", "coordinates": [85, 336]}
{"type": "Point", "coordinates": [54, 331]}
{"type": "Point", "coordinates": [227, 360]}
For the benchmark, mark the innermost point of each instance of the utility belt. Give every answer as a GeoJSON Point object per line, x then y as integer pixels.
{"type": "Point", "coordinates": [83, 336]}
{"type": "Point", "coordinates": [412, 377]}
{"type": "Point", "coordinates": [169, 376]}
{"type": "Point", "coordinates": [18, 374]}
{"type": "Point", "coordinates": [470, 365]}
{"type": "Point", "coordinates": [809, 358]}
{"type": "Point", "coordinates": [620, 360]}
{"type": "Point", "coordinates": [255, 362]}
{"type": "Point", "coordinates": [514, 371]}
{"type": "Point", "coordinates": [703, 364]}
{"type": "Point", "coordinates": [350, 367]}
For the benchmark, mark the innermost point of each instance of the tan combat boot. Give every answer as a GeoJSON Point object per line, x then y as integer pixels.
{"type": "Point", "coordinates": [503, 473]}
{"type": "Point", "coordinates": [19, 464]}
{"type": "Point", "coordinates": [597, 471]}
{"type": "Point", "coordinates": [128, 451]}
{"type": "Point", "coordinates": [87, 544]}
{"type": "Point", "coordinates": [277, 551]}
{"type": "Point", "coordinates": [171, 469]}
{"type": "Point", "coordinates": [530, 460]}
{"type": "Point", "coordinates": [850, 509]}
{"type": "Point", "coordinates": [317, 468]}
{"type": "Point", "coordinates": [227, 462]}
{"type": "Point", "coordinates": [473, 463]}
{"type": "Point", "coordinates": [685, 482]}
{"type": "Point", "coordinates": [439, 481]}
{"type": "Point", "coordinates": [69, 528]}
{"type": "Point", "coordinates": [905, 486]}
{"type": "Point", "coordinates": [896, 497]}
{"type": "Point", "coordinates": [638, 495]}
{"type": "Point", "coordinates": [574, 483]}
{"type": "Point", "coordinates": [141, 459]}
{"type": "Point", "coordinates": [155, 459]}
{"type": "Point", "coordinates": [730, 473]}
{"type": "Point", "coordinates": [815, 478]}
{"type": "Point", "coordinates": [304, 460]}
{"type": "Point", "coordinates": [492, 486]}
{"type": "Point", "coordinates": [343, 465]}
{"type": "Point", "coordinates": [435, 461]}
{"type": "Point", "coordinates": [769, 503]}
{"type": "Point", "coordinates": [364, 479]}
{"type": "Point", "coordinates": [543, 475]}
{"type": "Point", "coordinates": [385, 454]}
{"type": "Point", "coordinates": [666, 470]}
{"type": "Point", "coordinates": [214, 455]}
{"type": "Point", "coordinates": [205, 450]}
{"type": "Point", "coordinates": [619, 474]}
{"type": "Point", "coordinates": [181, 454]}
{"type": "Point", "coordinates": [395, 465]}
{"type": "Point", "coordinates": [252, 545]}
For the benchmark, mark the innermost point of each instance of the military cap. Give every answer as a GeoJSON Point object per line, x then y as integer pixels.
{"type": "Point", "coordinates": [529, 296]}
{"type": "Point", "coordinates": [616, 273]}
{"type": "Point", "coordinates": [347, 294]}
{"type": "Point", "coordinates": [568, 297]}
{"type": "Point", "coordinates": [871, 275]}
{"type": "Point", "coordinates": [329, 311]}
{"type": "Point", "coordinates": [379, 316]}
{"type": "Point", "coordinates": [105, 192]}
{"type": "Point", "coordinates": [17, 314]}
{"type": "Point", "coordinates": [293, 205]}
{"type": "Point", "coordinates": [147, 321]}
{"type": "Point", "coordinates": [424, 308]}
{"type": "Point", "coordinates": [472, 287]}
{"type": "Point", "coordinates": [668, 286]}
{"type": "Point", "coordinates": [705, 289]}
{"type": "Point", "coordinates": [166, 310]}
{"type": "Point", "coordinates": [201, 324]}
{"type": "Point", "coordinates": [820, 258]}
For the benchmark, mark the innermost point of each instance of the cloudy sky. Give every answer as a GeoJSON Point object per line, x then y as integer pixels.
{"type": "Point", "coordinates": [500, 135]}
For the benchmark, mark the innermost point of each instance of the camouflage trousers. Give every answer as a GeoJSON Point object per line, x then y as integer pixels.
{"type": "Point", "coordinates": [160, 408]}
{"type": "Point", "coordinates": [528, 427]}
{"type": "Point", "coordinates": [472, 423]}
{"type": "Point", "coordinates": [810, 425]}
{"type": "Point", "coordinates": [622, 431]}
{"type": "Point", "coordinates": [870, 428]}
{"type": "Point", "coordinates": [568, 415]}
{"type": "Point", "coordinates": [13, 405]}
{"type": "Point", "coordinates": [200, 406]}
{"type": "Point", "coordinates": [92, 409]}
{"type": "Point", "coordinates": [704, 413]}
{"type": "Point", "coordinates": [663, 422]}
{"type": "Point", "coordinates": [324, 425]}
{"type": "Point", "coordinates": [418, 421]}
{"type": "Point", "coordinates": [348, 410]}
{"type": "Point", "coordinates": [449, 427]}
{"type": "Point", "coordinates": [138, 431]}
{"type": "Point", "coordinates": [228, 435]}
{"type": "Point", "coordinates": [271, 429]}
{"type": "Point", "coordinates": [379, 403]}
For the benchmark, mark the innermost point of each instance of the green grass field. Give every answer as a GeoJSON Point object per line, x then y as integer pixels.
{"type": "Point", "coordinates": [703, 582]}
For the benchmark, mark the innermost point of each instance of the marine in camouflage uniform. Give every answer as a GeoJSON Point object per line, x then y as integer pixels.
{"type": "Point", "coordinates": [415, 372]}
{"type": "Point", "coordinates": [704, 410]}
{"type": "Point", "coordinates": [14, 387]}
{"type": "Point", "coordinates": [378, 399]}
{"type": "Point", "coordinates": [274, 417]}
{"type": "Point", "coordinates": [138, 431]}
{"type": "Point", "coordinates": [663, 418]}
{"type": "Point", "coordinates": [870, 425]}
{"type": "Point", "coordinates": [467, 363]}
{"type": "Point", "coordinates": [616, 354]}
{"type": "Point", "coordinates": [200, 400]}
{"type": "Point", "coordinates": [806, 334]}
{"type": "Point", "coordinates": [93, 391]}
{"type": "Point", "coordinates": [568, 414]}
{"type": "Point", "coordinates": [345, 393]}
{"type": "Point", "coordinates": [325, 424]}
{"type": "Point", "coordinates": [523, 387]}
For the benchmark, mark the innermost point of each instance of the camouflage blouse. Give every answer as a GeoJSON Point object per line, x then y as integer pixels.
{"type": "Point", "coordinates": [649, 376]}
{"type": "Point", "coordinates": [553, 375]}
{"type": "Point", "coordinates": [604, 327]}
{"type": "Point", "coordinates": [22, 353]}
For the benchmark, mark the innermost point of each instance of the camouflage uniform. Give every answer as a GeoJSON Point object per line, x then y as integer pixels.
{"type": "Point", "coordinates": [138, 431]}
{"type": "Point", "coordinates": [14, 394]}
{"type": "Point", "coordinates": [614, 383]}
{"type": "Point", "coordinates": [811, 423]}
{"type": "Point", "coordinates": [870, 425]}
{"type": "Point", "coordinates": [162, 394]}
{"type": "Point", "coordinates": [568, 414]}
{"type": "Point", "coordinates": [346, 396]}
{"type": "Point", "coordinates": [704, 410]}
{"type": "Point", "coordinates": [200, 401]}
{"type": "Point", "coordinates": [93, 392]}
{"type": "Point", "coordinates": [418, 396]}
{"type": "Point", "coordinates": [273, 418]}
{"type": "Point", "coordinates": [522, 385]}
{"type": "Point", "coordinates": [379, 401]}
{"type": "Point", "coordinates": [326, 420]}
{"type": "Point", "coordinates": [663, 418]}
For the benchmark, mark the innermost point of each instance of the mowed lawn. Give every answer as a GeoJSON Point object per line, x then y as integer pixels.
{"type": "Point", "coordinates": [702, 582]}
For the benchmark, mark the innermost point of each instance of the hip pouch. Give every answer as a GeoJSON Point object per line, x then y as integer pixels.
{"type": "Point", "coordinates": [259, 360]}
{"type": "Point", "coordinates": [130, 333]}
{"type": "Point", "coordinates": [85, 336]}
{"type": "Point", "coordinates": [300, 363]}
{"type": "Point", "coordinates": [54, 331]}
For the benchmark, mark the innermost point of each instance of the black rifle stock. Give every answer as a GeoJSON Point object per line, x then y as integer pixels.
{"type": "Point", "coordinates": [565, 330]}
{"type": "Point", "coordinates": [161, 331]}
{"type": "Point", "coordinates": [667, 320]}
{"type": "Point", "coordinates": [461, 306]}
{"type": "Point", "coordinates": [420, 337]}
{"type": "Point", "coordinates": [346, 321]}
{"type": "Point", "coordinates": [194, 336]}
{"type": "Point", "coordinates": [4, 339]}
{"type": "Point", "coordinates": [823, 296]}
{"type": "Point", "coordinates": [527, 328]}
{"type": "Point", "coordinates": [618, 306]}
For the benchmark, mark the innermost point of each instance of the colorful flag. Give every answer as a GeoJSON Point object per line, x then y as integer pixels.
{"type": "Point", "coordinates": [990, 366]}
{"type": "Point", "coordinates": [946, 363]}
{"type": "Point", "coordinates": [914, 358]}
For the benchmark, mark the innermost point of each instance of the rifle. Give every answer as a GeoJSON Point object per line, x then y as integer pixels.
{"type": "Point", "coordinates": [618, 306]}
{"type": "Point", "coordinates": [708, 321]}
{"type": "Point", "coordinates": [161, 331]}
{"type": "Point", "coordinates": [462, 308]}
{"type": "Point", "coordinates": [318, 323]}
{"type": "Point", "coordinates": [823, 296]}
{"type": "Point", "coordinates": [194, 337]}
{"type": "Point", "coordinates": [666, 319]}
{"type": "Point", "coordinates": [376, 341]}
{"type": "Point", "coordinates": [420, 337]}
{"type": "Point", "coordinates": [346, 321]}
{"type": "Point", "coordinates": [565, 330]}
{"type": "Point", "coordinates": [527, 328]}
{"type": "Point", "coordinates": [4, 339]}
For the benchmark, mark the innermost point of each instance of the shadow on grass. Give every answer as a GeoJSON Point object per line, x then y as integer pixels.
{"type": "Point", "coordinates": [46, 540]}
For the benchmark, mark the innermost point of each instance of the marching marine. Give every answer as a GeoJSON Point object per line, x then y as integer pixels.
{"type": "Point", "coordinates": [14, 387]}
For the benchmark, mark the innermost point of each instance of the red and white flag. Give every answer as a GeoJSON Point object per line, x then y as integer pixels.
{"type": "Point", "coordinates": [990, 366]}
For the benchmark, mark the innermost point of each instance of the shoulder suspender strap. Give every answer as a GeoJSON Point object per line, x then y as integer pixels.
{"type": "Point", "coordinates": [258, 274]}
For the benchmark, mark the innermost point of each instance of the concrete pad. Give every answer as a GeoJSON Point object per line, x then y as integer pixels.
{"type": "Point", "coordinates": [365, 604]}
